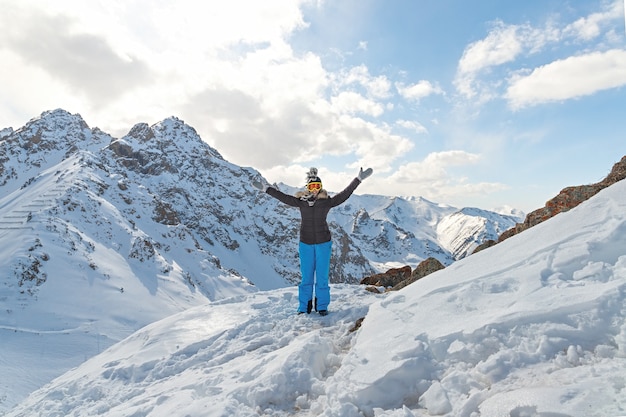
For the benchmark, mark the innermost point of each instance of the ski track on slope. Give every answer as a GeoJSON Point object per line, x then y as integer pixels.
{"type": "Point", "coordinates": [264, 361]}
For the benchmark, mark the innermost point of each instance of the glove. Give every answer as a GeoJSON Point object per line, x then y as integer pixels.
{"type": "Point", "coordinates": [259, 185]}
{"type": "Point", "coordinates": [364, 174]}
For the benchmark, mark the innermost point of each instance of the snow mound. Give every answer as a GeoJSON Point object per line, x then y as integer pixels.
{"type": "Point", "coordinates": [246, 355]}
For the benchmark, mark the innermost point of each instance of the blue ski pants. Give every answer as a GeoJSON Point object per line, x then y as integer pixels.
{"type": "Point", "coordinates": [314, 267]}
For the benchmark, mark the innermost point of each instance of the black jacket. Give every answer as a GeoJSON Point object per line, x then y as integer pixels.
{"type": "Point", "coordinates": [314, 229]}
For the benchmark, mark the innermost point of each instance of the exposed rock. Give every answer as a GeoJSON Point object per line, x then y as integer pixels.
{"type": "Point", "coordinates": [486, 244]}
{"type": "Point", "coordinates": [426, 267]}
{"type": "Point", "coordinates": [142, 132]}
{"type": "Point", "coordinates": [388, 279]}
{"type": "Point", "coordinates": [357, 325]}
{"type": "Point", "coordinates": [398, 278]}
{"type": "Point", "coordinates": [165, 214]}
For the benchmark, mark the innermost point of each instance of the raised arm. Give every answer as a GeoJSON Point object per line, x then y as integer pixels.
{"type": "Point", "coordinates": [284, 198]}
{"type": "Point", "coordinates": [345, 194]}
{"type": "Point", "coordinates": [287, 199]}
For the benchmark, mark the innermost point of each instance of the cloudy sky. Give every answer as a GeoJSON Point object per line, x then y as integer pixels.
{"type": "Point", "coordinates": [481, 103]}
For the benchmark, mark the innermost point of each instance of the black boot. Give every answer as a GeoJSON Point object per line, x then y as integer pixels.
{"type": "Point", "coordinates": [309, 307]}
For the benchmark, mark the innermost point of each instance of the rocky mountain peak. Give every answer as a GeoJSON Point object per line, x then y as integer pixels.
{"type": "Point", "coordinates": [141, 132]}
{"type": "Point", "coordinates": [5, 132]}
{"type": "Point", "coordinates": [54, 126]}
{"type": "Point", "coordinates": [45, 141]}
{"type": "Point", "coordinates": [166, 146]}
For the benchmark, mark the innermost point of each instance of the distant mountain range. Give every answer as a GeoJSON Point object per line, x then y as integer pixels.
{"type": "Point", "coordinates": [89, 224]}
{"type": "Point", "coordinates": [161, 180]}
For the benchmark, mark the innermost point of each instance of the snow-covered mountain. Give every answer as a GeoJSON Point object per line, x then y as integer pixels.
{"type": "Point", "coordinates": [534, 326]}
{"type": "Point", "coordinates": [462, 231]}
{"type": "Point", "coordinates": [100, 236]}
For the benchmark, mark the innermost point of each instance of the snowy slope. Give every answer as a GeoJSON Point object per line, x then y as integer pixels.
{"type": "Point", "coordinates": [73, 285]}
{"type": "Point", "coordinates": [100, 236]}
{"type": "Point", "coordinates": [533, 326]}
{"type": "Point", "coordinates": [83, 263]}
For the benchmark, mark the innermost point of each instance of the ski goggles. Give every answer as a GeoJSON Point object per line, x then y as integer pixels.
{"type": "Point", "coordinates": [314, 186]}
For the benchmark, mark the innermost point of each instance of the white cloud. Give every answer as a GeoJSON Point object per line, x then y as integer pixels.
{"type": "Point", "coordinates": [350, 102]}
{"type": "Point", "coordinates": [374, 86]}
{"type": "Point", "coordinates": [434, 166]}
{"type": "Point", "coordinates": [432, 179]}
{"type": "Point", "coordinates": [418, 91]}
{"type": "Point", "coordinates": [412, 125]}
{"type": "Point", "coordinates": [85, 63]}
{"type": "Point", "coordinates": [506, 44]}
{"type": "Point", "coordinates": [373, 144]}
{"type": "Point", "coordinates": [501, 45]}
{"type": "Point", "coordinates": [225, 68]}
{"type": "Point", "coordinates": [589, 27]}
{"type": "Point", "coordinates": [569, 78]}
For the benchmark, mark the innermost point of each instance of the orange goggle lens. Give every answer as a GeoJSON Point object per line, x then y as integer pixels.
{"type": "Point", "coordinates": [314, 186]}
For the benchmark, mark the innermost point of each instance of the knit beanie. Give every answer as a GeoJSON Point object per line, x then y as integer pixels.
{"type": "Point", "coordinates": [311, 176]}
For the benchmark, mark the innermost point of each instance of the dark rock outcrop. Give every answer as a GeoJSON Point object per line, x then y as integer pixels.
{"type": "Point", "coordinates": [426, 267]}
{"type": "Point", "coordinates": [388, 279]}
{"type": "Point", "coordinates": [486, 244]}
{"type": "Point", "coordinates": [398, 278]}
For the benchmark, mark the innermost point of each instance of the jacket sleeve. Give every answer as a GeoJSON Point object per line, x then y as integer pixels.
{"type": "Point", "coordinates": [285, 198]}
{"type": "Point", "coordinates": [343, 196]}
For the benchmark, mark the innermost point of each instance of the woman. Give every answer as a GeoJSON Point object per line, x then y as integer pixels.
{"type": "Point", "coordinates": [315, 240]}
